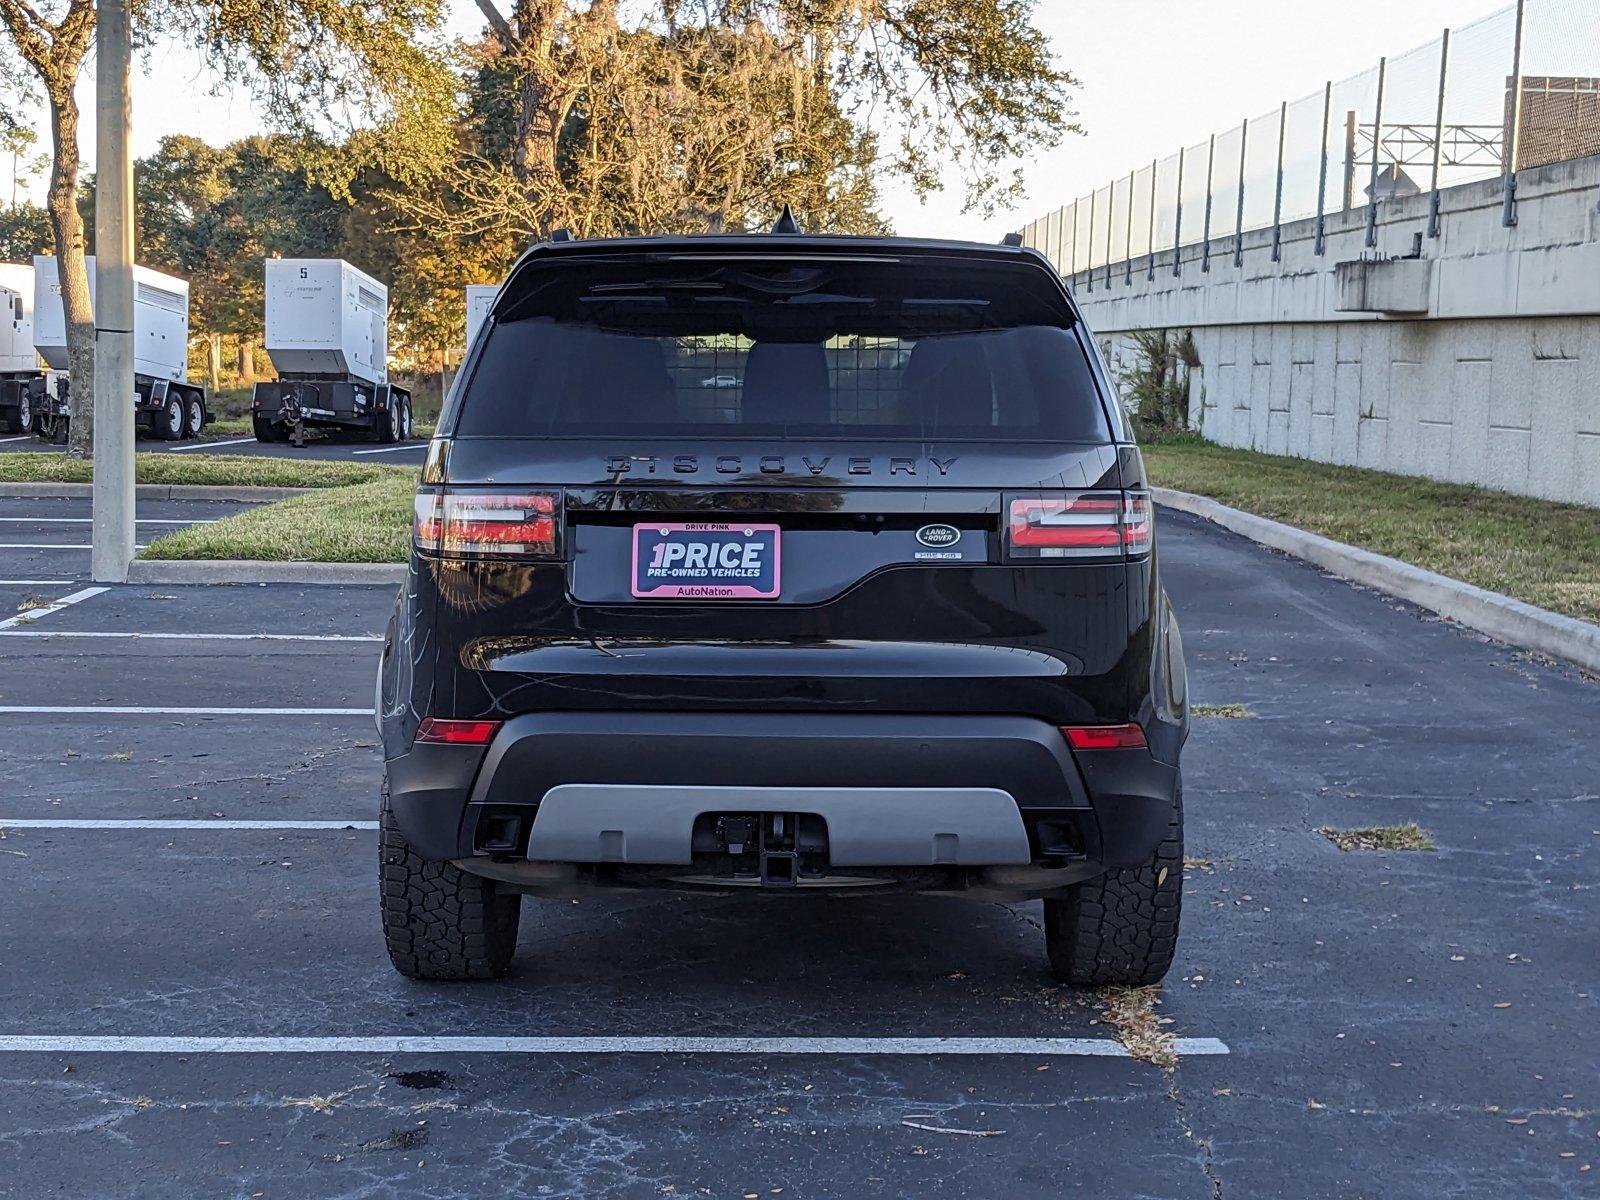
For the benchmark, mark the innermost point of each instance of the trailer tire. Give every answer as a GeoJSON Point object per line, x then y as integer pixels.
{"type": "Point", "coordinates": [405, 419]}
{"type": "Point", "coordinates": [194, 413]}
{"type": "Point", "coordinates": [265, 431]}
{"type": "Point", "coordinates": [23, 421]}
{"type": "Point", "coordinates": [386, 427]}
{"type": "Point", "coordinates": [167, 421]}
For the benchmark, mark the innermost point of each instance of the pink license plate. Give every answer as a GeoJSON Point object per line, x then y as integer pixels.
{"type": "Point", "coordinates": [701, 560]}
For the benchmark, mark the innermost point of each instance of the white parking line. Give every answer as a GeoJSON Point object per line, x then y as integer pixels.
{"type": "Point", "coordinates": [133, 635]}
{"type": "Point", "coordinates": [53, 546]}
{"type": "Point", "coordinates": [854, 1047]}
{"type": "Point", "coordinates": [55, 582]}
{"type": "Point", "coordinates": [21, 437]}
{"type": "Point", "coordinates": [392, 449]}
{"type": "Point", "coordinates": [172, 823]}
{"type": "Point", "coordinates": [54, 606]}
{"type": "Point", "coordinates": [69, 710]}
{"type": "Point", "coordinates": [90, 521]}
{"type": "Point", "coordinates": [211, 445]}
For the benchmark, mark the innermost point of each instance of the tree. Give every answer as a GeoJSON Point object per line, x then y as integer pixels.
{"type": "Point", "coordinates": [54, 50]}
{"type": "Point", "coordinates": [309, 61]}
{"type": "Point", "coordinates": [24, 232]}
{"type": "Point", "coordinates": [748, 103]}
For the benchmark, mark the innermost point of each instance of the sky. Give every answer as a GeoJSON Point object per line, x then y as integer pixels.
{"type": "Point", "coordinates": [1155, 75]}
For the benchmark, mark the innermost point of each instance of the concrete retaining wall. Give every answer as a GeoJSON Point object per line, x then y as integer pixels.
{"type": "Point", "coordinates": [1483, 366]}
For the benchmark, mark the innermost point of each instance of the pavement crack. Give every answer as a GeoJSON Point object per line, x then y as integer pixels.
{"type": "Point", "coordinates": [1208, 1165]}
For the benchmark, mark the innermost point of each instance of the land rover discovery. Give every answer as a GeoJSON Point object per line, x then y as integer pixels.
{"type": "Point", "coordinates": [879, 612]}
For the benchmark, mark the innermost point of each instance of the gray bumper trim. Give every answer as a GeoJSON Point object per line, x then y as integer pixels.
{"type": "Point", "coordinates": [867, 827]}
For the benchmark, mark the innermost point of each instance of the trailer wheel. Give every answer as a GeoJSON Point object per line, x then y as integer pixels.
{"type": "Point", "coordinates": [194, 417]}
{"type": "Point", "coordinates": [23, 421]}
{"type": "Point", "coordinates": [265, 431]}
{"type": "Point", "coordinates": [167, 421]}
{"type": "Point", "coordinates": [405, 419]}
{"type": "Point", "coordinates": [386, 428]}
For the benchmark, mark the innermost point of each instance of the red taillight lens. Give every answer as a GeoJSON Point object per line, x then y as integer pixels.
{"type": "Point", "coordinates": [485, 524]}
{"type": "Point", "coordinates": [1079, 525]}
{"type": "Point", "coordinates": [1104, 737]}
{"type": "Point", "coordinates": [438, 731]}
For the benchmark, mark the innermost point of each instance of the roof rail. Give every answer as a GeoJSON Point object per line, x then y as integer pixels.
{"type": "Point", "coordinates": [786, 222]}
{"type": "Point", "coordinates": [1012, 239]}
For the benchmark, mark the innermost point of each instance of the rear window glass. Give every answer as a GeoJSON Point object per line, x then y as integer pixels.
{"type": "Point", "coordinates": [784, 350]}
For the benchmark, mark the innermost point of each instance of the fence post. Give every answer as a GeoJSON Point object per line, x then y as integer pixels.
{"type": "Point", "coordinates": [1088, 257]}
{"type": "Point", "coordinates": [1211, 175]}
{"type": "Point", "coordinates": [1150, 242]}
{"type": "Point", "coordinates": [1349, 160]}
{"type": "Point", "coordinates": [1127, 249]}
{"type": "Point", "coordinates": [1277, 200]}
{"type": "Point", "coordinates": [1513, 138]}
{"type": "Point", "coordinates": [1377, 148]}
{"type": "Point", "coordinates": [1322, 173]}
{"type": "Point", "coordinates": [1075, 224]}
{"type": "Point", "coordinates": [1438, 134]}
{"type": "Point", "coordinates": [1238, 225]}
{"type": "Point", "coordinates": [1177, 220]}
{"type": "Point", "coordinates": [1111, 227]}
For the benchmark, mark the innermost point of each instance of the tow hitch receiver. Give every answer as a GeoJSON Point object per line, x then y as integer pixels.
{"type": "Point", "coordinates": [772, 837]}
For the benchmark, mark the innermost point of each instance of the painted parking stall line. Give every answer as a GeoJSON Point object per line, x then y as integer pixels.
{"type": "Point", "coordinates": [140, 710]}
{"type": "Point", "coordinates": [393, 449]}
{"type": "Point", "coordinates": [175, 823]}
{"type": "Point", "coordinates": [850, 1047]}
{"type": "Point", "coordinates": [54, 606]}
{"type": "Point", "coordinates": [209, 445]}
{"type": "Point", "coordinates": [137, 635]}
{"type": "Point", "coordinates": [90, 521]}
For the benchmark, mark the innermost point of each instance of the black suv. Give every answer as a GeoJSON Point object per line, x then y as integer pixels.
{"type": "Point", "coordinates": [783, 562]}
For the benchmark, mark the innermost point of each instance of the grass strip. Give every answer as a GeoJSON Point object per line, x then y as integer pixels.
{"type": "Point", "coordinates": [235, 470]}
{"type": "Point", "coordinates": [1536, 550]}
{"type": "Point", "coordinates": [365, 522]}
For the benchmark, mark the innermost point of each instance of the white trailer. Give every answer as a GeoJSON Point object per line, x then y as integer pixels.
{"type": "Point", "coordinates": [19, 361]}
{"type": "Point", "coordinates": [164, 399]}
{"type": "Point", "coordinates": [480, 299]}
{"type": "Point", "coordinates": [327, 333]}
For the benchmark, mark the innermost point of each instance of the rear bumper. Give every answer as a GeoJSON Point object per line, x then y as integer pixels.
{"type": "Point", "coordinates": [892, 790]}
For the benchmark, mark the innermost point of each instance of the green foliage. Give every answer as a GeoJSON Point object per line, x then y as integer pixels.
{"type": "Point", "coordinates": [24, 231]}
{"type": "Point", "coordinates": [1156, 389]}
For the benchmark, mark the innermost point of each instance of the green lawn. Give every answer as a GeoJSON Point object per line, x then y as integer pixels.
{"type": "Point", "coordinates": [366, 522]}
{"type": "Point", "coordinates": [224, 469]}
{"type": "Point", "coordinates": [1536, 550]}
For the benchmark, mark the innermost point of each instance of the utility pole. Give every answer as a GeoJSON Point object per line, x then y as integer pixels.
{"type": "Point", "coordinates": [113, 298]}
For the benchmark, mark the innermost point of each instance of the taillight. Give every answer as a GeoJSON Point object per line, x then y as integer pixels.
{"type": "Point", "coordinates": [486, 524]}
{"type": "Point", "coordinates": [1079, 525]}
{"type": "Point", "coordinates": [441, 731]}
{"type": "Point", "coordinates": [1104, 737]}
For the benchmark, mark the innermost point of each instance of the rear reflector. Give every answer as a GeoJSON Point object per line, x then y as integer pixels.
{"type": "Point", "coordinates": [1104, 737]}
{"type": "Point", "coordinates": [1079, 525]}
{"type": "Point", "coordinates": [485, 525]}
{"type": "Point", "coordinates": [437, 731]}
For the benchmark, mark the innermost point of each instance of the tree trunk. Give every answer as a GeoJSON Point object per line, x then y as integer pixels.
{"type": "Point", "coordinates": [214, 360]}
{"type": "Point", "coordinates": [247, 361]}
{"type": "Point", "coordinates": [62, 202]}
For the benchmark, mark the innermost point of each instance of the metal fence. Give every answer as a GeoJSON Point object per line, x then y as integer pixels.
{"type": "Point", "coordinates": [1518, 89]}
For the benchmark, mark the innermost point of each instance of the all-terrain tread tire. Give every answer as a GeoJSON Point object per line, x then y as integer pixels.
{"type": "Point", "coordinates": [440, 922]}
{"type": "Point", "coordinates": [1121, 928]}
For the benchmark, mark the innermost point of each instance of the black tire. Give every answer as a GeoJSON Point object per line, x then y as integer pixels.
{"type": "Point", "coordinates": [405, 419]}
{"type": "Point", "coordinates": [439, 922]}
{"type": "Point", "coordinates": [386, 427]}
{"type": "Point", "coordinates": [167, 421]}
{"type": "Point", "coordinates": [23, 421]}
{"type": "Point", "coordinates": [194, 417]}
{"type": "Point", "coordinates": [1122, 928]}
{"type": "Point", "coordinates": [265, 431]}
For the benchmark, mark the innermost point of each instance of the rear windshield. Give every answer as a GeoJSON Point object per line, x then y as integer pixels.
{"type": "Point", "coordinates": [779, 349]}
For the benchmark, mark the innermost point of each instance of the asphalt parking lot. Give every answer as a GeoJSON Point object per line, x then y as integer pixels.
{"type": "Point", "coordinates": [1353, 1024]}
{"type": "Point", "coordinates": [350, 448]}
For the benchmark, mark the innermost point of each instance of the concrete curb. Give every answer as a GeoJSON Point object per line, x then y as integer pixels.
{"type": "Point", "coordinates": [243, 570]}
{"type": "Point", "coordinates": [154, 491]}
{"type": "Point", "coordinates": [1501, 617]}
